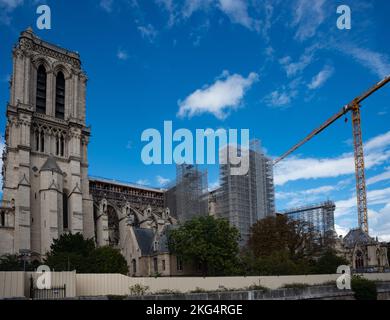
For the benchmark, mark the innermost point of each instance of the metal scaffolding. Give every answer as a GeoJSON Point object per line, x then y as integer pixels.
{"type": "Point", "coordinates": [188, 198]}
{"type": "Point", "coordinates": [319, 216]}
{"type": "Point", "coordinates": [245, 199]}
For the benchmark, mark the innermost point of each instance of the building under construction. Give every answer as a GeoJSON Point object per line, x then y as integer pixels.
{"type": "Point", "coordinates": [319, 216]}
{"type": "Point", "coordinates": [188, 198]}
{"type": "Point", "coordinates": [245, 199]}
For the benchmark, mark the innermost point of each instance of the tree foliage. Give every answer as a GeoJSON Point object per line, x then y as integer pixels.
{"type": "Point", "coordinates": [297, 239]}
{"type": "Point", "coordinates": [73, 252]}
{"type": "Point", "coordinates": [11, 262]}
{"type": "Point", "coordinates": [279, 246]}
{"type": "Point", "coordinates": [211, 242]}
{"type": "Point", "coordinates": [328, 263]}
{"type": "Point", "coordinates": [364, 289]}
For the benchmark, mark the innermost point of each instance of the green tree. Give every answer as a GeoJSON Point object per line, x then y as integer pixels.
{"type": "Point", "coordinates": [328, 263]}
{"type": "Point", "coordinates": [108, 260]}
{"type": "Point", "coordinates": [70, 252]}
{"type": "Point", "coordinates": [73, 252]}
{"type": "Point", "coordinates": [364, 289]}
{"type": "Point", "coordinates": [211, 242]}
{"type": "Point", "coordinates": [279, 234]}
{"type": "Point", "coordinates": [10, 262]}
{"type": "Point", "coordinates": [277, 263]}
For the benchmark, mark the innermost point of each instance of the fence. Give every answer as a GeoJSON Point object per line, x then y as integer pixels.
{"type": "Point", "coordinates": [54, 293]}
{"type": "Point", "coordinates": [17, 284]}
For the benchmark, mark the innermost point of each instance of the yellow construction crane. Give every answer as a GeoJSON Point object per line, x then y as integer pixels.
{"type": "Point", "coordinates": [354, 107]}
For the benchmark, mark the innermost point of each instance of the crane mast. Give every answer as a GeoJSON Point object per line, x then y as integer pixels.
{"type": "Point", "coordinates": [354, 108]}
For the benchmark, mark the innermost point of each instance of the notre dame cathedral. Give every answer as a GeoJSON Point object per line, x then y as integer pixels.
{"type": "Point", "coordinates": [46, 187]}
{"type": "Point", "coordinates": [45, 164]}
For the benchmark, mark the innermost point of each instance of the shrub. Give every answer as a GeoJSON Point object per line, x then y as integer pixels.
{"type": "Point", "coordinates": [138, 290]}
{"type": "Point", "coordinates": [295, 286]}
{"type": "Point", "coordinates": [257, 287]}
{"type": "Point", "coordinates": [115, 297]}
{"type": "Point", "coordinates": [364, 289]}
{"type": "Point", "coordinates": [167, 291]}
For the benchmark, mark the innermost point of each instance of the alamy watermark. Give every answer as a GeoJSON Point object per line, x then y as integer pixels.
{"type": "Point", "coordinates": [44, 277]}
{"type": "Point", "coordinates": [344, 21]}
{"type": "Point", "coordinates": [199, 150]}
{"type": "Point", "coordinates": [44, 19]}
{"type": "Point", "coordinates": [344, 281]}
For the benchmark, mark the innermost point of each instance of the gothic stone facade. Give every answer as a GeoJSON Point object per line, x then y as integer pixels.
{"type": "Point", "coordinates": [364, 253]}
{"type": "Point", "coordinates": [135, 220]}
{"type": "Point", "coordinates": [46, 189]}
{"type": "Point", "coordinates": [45, 162]}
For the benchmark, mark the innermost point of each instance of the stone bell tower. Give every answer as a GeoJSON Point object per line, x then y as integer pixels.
{"type": "Point", "coordinates": [45, 162]}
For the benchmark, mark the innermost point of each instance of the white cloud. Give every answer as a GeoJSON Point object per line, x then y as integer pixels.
{"type": "Point", "coordinates": [283, 96]}
{"type": "Point", "coordinates": [106, 5]}
{"type": "Point", "coordinates": [295, 168]}
{"type": "Point", "coordinates": [6, 7]}
{"type": "Point", "coordinates": [237, 11]}
{"type": "Point", "coordinates": [378, 142]}
{"type": "Point", "coordinates": [319, 80]}
{"type": "Point", "coordinates": [143, 182]}
{"type": "Point", "coordinates": [122, 54]}
{"type": "Point", "coordinates": [293, 68]}
{"type": "Point", "coordinates": [380, 177]}
{"type": "Point", "coordinates": [280, 98]}
{"type": "Point", "coordinates": [214, 185]}
{"type": "Point", "coordinates": [341, 231]}
{"type": "Point", "coordinates": [374, 197]}
{"type": "Point", "coordinates": [308, 16]}
{"type": "Point", "coordinates": [148, 32]}
{"type": "Point", "coordinates": [302, 197]}
{"type": "Point", "coordinates": [219, 98]}
{"type": "Point", "coordinates": [10, 4]}
{"type": "Point", "coordinates": [379, 223]}
{"type": "Point", "coordinates": [162, 181]}
{"type": "Point", "coordinates": [170, 7]}
{"type": "Point", "coordinates": [378, 63]}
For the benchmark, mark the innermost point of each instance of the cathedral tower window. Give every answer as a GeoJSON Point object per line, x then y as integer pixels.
{"type": "Point", "coordinates": [62, 146]}
{"type": "Point", "coordinates": [36, 140]}
{"type": "Point", "coordinates": [41, 90]}
{"type": "Point", "coordinates": [65, 217]}
{"type": "Point", "coordinates": [134, 264]}
{"type": "Point", "coordinates": [42, 136]}
{"type": "Point", "coordinates": [60, 96]}
{"type": "Point", "coordinates": [2, 219]}
{"type": "Point", "coordinates": [57, 146]}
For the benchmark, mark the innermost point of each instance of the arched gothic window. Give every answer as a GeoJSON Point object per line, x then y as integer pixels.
{"type": "Point", "coordinates": [65, 217]}
{"type": "Point", "coordinates": [60, 96]}
{"type": "Point", "coordinates": [62, 146]}
{"type": "Point", "coordinates": [41, 90]}
{"type": "Point", "coordinates": [359, 261]}
{"type": "Point", "coordinates": [134, 265]}
{"type": "Point", "coordinates": [2, 219]}
{"type": "Point", "coordinates": [42, 141]}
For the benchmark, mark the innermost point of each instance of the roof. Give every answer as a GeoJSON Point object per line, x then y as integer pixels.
{"type": "Point", "coordinates": [124, 184]}
{"type": "Point", "coordinates": [163, 241]}
{"type": "Point", "coordinates": [146, 237]}
{"type": "Point", "coordinates": [357, 236]}
{"type": "Point", "coordinates": [29, 34]}
{"type": "Point", "coordinates": [51, 165]}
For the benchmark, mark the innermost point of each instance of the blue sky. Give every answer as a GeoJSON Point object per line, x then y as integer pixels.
{"type": "Point", "coordinates": [279, 68]}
